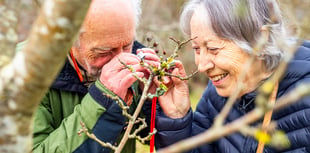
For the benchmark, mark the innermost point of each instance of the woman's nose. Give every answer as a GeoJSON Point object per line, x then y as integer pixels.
{"type": "Point", "coordinates": [205, 63]}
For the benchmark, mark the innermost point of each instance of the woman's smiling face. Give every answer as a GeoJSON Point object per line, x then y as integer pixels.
{"type": "Point", "coordinates": [222, 60]}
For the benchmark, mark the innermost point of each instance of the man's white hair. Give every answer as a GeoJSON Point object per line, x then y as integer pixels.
{"type": "Point", "coordinates": [137, 6]}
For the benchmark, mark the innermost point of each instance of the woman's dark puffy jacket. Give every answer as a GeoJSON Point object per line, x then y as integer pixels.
{"type": "Point", "coordinates": [294, 119]}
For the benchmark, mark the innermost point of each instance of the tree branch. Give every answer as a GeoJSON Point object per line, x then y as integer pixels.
{"type": "Point", "coordinates": [26, 78]}
{"type": "Point", "coordinates": [8, 30]}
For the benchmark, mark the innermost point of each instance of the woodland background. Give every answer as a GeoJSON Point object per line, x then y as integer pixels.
{"type": "Point", "coordinates": [160, 21]}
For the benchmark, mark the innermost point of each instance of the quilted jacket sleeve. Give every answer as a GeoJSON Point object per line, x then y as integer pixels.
{"type": "Point", "coordinates": [202, 122]}
{"type": "Point", "coordinates": [101, 115]}
{"type": "Point", "coordinates": [171, 130]}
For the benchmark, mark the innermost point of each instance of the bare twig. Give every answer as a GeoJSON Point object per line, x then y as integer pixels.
{"type": "Point", "coordinates": [129, 67]}
{"type": "Point", "coordinates": [135, 115]}
{"type": "Point", "coordinates": [182, 78]}
{"type": "Point", "coordinates": [141, 127]}
{"type": "Point", "coordinates": [121, 104]}
{"type": "Point", "coordinates": [148, 137]}
{"type": "Point", "coordinates": [92, 136]}
{"type": "Point", "coordinates": [299, 92]}
{"type": "Point", "coordinates": [179, 45]}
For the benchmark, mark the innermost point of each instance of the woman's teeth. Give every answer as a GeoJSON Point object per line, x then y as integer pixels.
{"type": "Point", "coordinates": [218, 77]}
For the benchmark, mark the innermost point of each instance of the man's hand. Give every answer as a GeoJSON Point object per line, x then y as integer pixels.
{"type": "Point", "coordinates": [175, 102]}
{"type": "Point", "coordinates": [117, 78]}
{"type": "Point", "coordinates": [151, 58]}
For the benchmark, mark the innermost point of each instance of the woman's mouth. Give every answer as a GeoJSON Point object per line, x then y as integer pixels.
{"type": "Point", "coordinates": [218, 77]}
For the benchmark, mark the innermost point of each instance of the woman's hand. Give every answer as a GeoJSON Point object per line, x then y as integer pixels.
{"type": "Point", "coordinates": [175, 102]}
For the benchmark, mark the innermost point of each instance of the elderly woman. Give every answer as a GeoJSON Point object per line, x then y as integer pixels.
{"type": "Point", "coordinates": [227, 31]}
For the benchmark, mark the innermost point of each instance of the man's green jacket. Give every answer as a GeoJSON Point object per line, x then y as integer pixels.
{"type": "Point", "coordinates": [67, 103]}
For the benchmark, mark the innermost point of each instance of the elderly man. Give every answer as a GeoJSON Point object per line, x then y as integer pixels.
{"type": "Point", "coordinates": [106, 36]}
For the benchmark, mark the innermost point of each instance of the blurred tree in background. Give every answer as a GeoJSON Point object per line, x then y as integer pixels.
{"type": "Point", "coordinates": [24, 75]}
{"type": "Point", "coordinates": [160, 21]}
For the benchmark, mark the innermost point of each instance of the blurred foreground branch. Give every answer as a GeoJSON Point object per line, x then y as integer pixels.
{"type": "Point", "coordinates": [215, 133]}
{"type": "Point", "coordinates": [25, 77]}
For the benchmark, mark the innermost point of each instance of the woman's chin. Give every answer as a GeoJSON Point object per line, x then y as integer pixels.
{"type": "Point", "coordinates": [223, 92]}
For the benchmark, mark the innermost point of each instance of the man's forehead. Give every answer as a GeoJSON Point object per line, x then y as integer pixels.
{"type": "Point", "coordinates": [109, 46]}
{"type": "Point", "coordinates": [109, 43]}
{"type": "Point", "coordinates": [109, 12]}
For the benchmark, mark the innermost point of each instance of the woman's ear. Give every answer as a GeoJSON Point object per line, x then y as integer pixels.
{"type": "Point", "coordinates": [265, 30]}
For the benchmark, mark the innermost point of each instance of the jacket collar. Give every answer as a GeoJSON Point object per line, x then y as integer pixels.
{"type": "Point", "coordinates": [298, 67]}
{"type": "Point", "coordinates": [68, 80]}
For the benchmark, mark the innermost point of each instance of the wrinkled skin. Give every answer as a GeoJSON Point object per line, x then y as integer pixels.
{"type": "Point", "coordinates": [107, 37]}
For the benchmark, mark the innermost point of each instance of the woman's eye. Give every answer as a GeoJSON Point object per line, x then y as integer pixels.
{"type": "Point", "coordinates": [213, 50]}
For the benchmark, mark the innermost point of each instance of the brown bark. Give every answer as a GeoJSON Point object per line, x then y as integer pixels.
{"type": "Point", "coordinates": [25, 78]}
{"type": "Point", "coordinates": [8, 26]}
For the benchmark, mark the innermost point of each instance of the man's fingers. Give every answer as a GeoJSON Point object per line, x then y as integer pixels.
{"type": "Point", "coordinates": [151, 57]}
{"type": "Point", "coordinates": [154, 64]}
{"type": "Point", "coordinates": [134, 68]}
{"type": "Point", "coordinates": [126, 58]}
{"type": "Point", "coordinates": [116, 65]}
{"type": "Point", "coordinates": [146, 50]}
{"type": "Point", "coordinates": [129, 79]}
{"type": "Point", "coordinates": [149, 54]}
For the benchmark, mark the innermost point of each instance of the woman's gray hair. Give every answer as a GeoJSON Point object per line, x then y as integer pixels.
{"type": "Point", "coordinates": [241, 21]}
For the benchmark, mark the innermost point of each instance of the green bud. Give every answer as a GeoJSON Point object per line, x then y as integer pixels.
{"type": "Point", "coordinates": [163, 87]}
